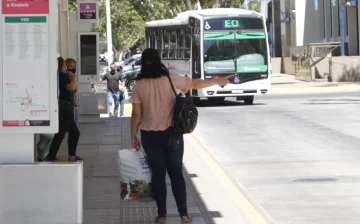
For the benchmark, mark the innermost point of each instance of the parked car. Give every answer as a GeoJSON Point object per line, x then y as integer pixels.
{"type": "Point", "coordinates": [103, 57]}
{"type": "Point", "coordinates": [127, 65]}
{"type": "Point", "coordinates": [135, 64]}
{"type": "Point", "coordinates": [128, 60]}
{"type": "Point", "coordinates": [130, 77]}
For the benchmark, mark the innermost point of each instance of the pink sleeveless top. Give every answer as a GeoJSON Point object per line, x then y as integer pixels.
{"type": "Point", "coordinates": [157, 100]}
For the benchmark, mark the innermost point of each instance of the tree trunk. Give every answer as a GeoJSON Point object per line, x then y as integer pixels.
{"type": "Point", "coordinates": [120, 55]}
{"type": "Point", "coordinates": [198, 5]}
{"type": "Point", "coordinates": [216, 4]}
{"type": "Point", "coordinates": [188, 5]}
{"type": "Point", "coordinates": [232, 3]}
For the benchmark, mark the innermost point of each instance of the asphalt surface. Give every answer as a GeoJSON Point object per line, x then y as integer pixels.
{"type": "Point", "coordinates": [298, 156]}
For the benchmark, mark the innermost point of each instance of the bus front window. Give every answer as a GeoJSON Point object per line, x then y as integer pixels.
{"type": "Point", "coordinates": [221, 49]}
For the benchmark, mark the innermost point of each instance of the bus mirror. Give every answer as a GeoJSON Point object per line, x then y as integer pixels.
{"type": "Point", "coordinates": [133, 66]}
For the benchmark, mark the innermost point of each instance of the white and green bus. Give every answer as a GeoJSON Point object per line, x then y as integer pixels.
{"type": "Point", "coordinates": [210, 43]}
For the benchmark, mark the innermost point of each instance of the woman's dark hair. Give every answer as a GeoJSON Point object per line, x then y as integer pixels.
{"type": "Point", "coordinates": [61, 62]}
{"type": "Point", "coordinates": [151, 66]}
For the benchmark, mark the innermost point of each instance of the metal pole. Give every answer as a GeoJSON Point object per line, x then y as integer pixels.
{"type": "Point", "coordinates": [342, 28]}
{"type": "Point", "coordinates": [109, 33]}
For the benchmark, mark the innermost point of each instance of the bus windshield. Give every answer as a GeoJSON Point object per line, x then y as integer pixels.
{"type": "Point", "coordinates": [222, 50]}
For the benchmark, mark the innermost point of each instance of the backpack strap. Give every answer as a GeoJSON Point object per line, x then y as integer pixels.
{"type": "Point", "coordinates": [172, 85]}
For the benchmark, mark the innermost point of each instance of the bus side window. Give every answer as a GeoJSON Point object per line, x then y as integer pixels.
{"type": "Point", "coordinates": [180, 43]}
{"type": "Point", "coordinates": [196, 52]}
{"type": "Point", "coordinates": [165, 47]}
{"type": "Point", "coordinates": [187, 50]}
{"type": "Point", "coordinates": [172, 44]}
{"type": "Point", "coordinates": [158, 40]}
{"type": "Point", "coordinates": [151, 39]}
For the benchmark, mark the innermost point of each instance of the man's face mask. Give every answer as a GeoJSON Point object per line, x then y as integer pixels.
{"type": "Point", "coordinates": [73, 70]}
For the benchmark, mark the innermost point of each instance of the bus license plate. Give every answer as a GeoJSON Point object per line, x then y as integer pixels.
{"type": "Point", "coordinates": [238, 91]}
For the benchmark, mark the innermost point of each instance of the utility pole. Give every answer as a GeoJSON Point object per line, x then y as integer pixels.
{"type": "Point", "coordinates": [109, 33]}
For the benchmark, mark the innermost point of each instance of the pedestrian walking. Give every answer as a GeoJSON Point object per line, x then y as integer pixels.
{"type": "Point", "coordinates": [113, 79]}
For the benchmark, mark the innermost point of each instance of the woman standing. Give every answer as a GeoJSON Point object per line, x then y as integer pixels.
{"type": "Point", "coordinates": [153, 101]}
{"type": "Point", "coordinates": [71, 66]}
{"type": "Point", "coordinates": [67, 86]}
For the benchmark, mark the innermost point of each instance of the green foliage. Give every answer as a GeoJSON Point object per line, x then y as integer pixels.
{"type": "Point", "coordinates": [128, 17]}
{"type": "Point", "coordinates": [126, 23]}
{"type": "Point", "coordinates": [72, 5]}
{"type": "Point", "coordinates": [254, 5]}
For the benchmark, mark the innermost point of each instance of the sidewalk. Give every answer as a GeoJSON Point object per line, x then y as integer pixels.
{"type": "Point", "coordinates": [285, 83]}
{"type": "Point", "coordinates": [99, 144]}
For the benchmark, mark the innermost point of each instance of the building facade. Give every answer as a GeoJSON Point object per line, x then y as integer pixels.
{"type": "Point", "coordinates": [294, 23]}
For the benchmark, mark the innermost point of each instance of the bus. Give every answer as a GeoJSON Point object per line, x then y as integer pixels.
{"type": "Point", "coordinates": [210, 43]}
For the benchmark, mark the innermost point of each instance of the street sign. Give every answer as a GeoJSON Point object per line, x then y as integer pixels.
{"type": "Point", "coordinates": [88, 11]}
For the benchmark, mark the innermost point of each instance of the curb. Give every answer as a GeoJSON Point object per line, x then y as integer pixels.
{"type": "Point", "coordinates": [315, 89]}
{"type": "Point", "coordinates": [267, 218]}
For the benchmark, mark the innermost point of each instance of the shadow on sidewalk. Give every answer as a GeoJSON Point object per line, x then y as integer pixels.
{"type": "Point", "coordinates": [99, 144]}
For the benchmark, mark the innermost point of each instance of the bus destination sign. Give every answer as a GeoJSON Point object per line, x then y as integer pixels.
{"type": "Point", "coordinates": [233, 23]}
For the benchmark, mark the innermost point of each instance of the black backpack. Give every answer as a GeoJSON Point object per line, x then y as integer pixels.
{"type": "Point", "coordinates": [185, 112]}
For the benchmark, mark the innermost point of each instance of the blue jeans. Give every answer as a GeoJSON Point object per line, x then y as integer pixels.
{"type": "Point", "coordinates": [116, 98]}
{"type": "Point", "coordinates": [122, 104]}
{"type": "Point", "coordinates": [76, 116]}
{"type": "Point", "coordinates": [164, 150]}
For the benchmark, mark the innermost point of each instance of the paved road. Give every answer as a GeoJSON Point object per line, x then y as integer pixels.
{"type": "Point", "coordinates": [297, 155]}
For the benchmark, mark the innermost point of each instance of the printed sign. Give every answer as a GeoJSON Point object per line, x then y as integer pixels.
{"type": "Point", "coordinates": [25, 7]}
{"type": "Point", "coordinates": [25, 45]}
{"type": "Point", "coordinates": [252, 68]}
{"type": "Point", "coordinates": [88, 11]}
{"type": "Point", "coordinates": [234, 23]}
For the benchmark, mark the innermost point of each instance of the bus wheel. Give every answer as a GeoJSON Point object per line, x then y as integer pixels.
{"type": "Point", "coordinates": [131, 85]}
{"type": "Point", "coordinates": [248, 100]}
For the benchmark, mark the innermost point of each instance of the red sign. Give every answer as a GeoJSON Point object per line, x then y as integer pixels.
{"type": "Point", "coordinates": [25, 7]}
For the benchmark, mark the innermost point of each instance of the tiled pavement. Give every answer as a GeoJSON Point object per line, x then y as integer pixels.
{"type": "Point", "coordinates": [99, 144]}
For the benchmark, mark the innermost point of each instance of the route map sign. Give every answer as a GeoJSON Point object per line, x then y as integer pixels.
{"type": "Point", "coordinates": [26, 64]}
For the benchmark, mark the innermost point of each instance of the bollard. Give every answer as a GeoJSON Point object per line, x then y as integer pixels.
{"type": "Point", "coordinates": [330, 70]}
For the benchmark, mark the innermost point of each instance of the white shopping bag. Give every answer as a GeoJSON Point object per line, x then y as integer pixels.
{"type": "Point", "coordinates": [135, 174]}
{"type": "Point", "coordinates": [126, 94]}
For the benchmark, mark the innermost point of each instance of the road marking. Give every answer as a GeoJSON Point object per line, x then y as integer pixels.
{"type": "Point", "coordinates": [244, 201]}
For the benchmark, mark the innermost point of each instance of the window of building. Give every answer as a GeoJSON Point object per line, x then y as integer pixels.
{"type": "Point", "coordinates": [339, 18]}
{"type": "Point", "coordinates": [331, 20]}
{"type": "Point", "coordinates": [324, 18]}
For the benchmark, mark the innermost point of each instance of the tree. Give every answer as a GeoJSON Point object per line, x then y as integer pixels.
{"type": "Point", "coordinates": [127, 24]}
{"type": "Point", "coordinates": [254, 5]}
{"type": "Point", "coordinates": [72, 5]}
{"type": "Point", "coordinates": [128, 17]}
